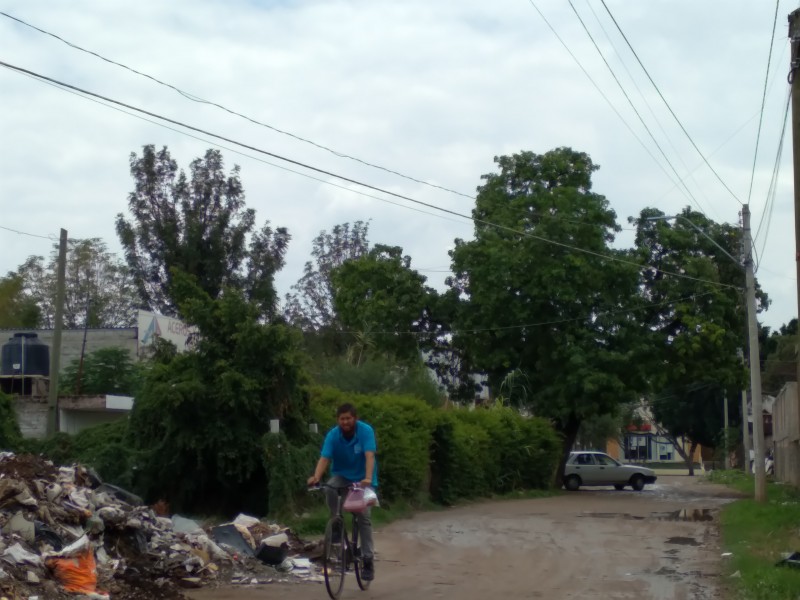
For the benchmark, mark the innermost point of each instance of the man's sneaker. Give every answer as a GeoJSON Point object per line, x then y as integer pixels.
{"type": "Point", "coordinates": [368, 570]}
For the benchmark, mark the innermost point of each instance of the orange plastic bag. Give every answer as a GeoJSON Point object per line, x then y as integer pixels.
{"type": "Point", "coordinates": [76, 574]}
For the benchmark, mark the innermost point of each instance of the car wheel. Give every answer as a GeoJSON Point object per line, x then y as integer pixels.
{"type": "Point", "coordinates": [619, 486]}
{"type": "Point", "coordinates": [572, 483]}
{"type": "Point", "coordinates": [637, 483]}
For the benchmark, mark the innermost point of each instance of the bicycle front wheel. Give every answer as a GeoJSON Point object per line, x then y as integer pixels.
{"type": "Point", "coordinates": [334, 561]}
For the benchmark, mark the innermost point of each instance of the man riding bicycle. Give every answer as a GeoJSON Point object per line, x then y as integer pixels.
{"type": "Point", "coordinates": [350, 450]}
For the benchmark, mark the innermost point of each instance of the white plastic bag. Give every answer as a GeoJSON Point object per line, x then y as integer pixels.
{"type": "Point", "coordinates": [371, 497]}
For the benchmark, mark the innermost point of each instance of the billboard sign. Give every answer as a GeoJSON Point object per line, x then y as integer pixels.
{"type": "Point", "coordinates": [152, 326]}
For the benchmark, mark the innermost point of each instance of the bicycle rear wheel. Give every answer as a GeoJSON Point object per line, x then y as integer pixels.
{"type": "Point", "coordinates": [358, 560]}
{"type": "Point", "coordinates": [333, 559]}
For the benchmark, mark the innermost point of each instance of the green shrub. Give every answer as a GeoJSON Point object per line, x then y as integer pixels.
{"type": "Point", "coordinates": [288, 468]}
{"type": "Point", "coordinates": [460, 458]}
{"type": "Point", "coordinates": [403, 428]}
{"type": "Point", "coordinates": [105, 448]}
{"type": "Point", "coordinates": [10, 436]}
{"type": "Point", "coordinates": [496, 451]}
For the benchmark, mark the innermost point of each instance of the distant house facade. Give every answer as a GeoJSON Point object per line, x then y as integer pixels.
{"type": "Point", "coordinates": [30, 391]}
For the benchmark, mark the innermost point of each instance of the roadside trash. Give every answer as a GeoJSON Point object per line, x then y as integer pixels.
{"type": "Point", "coordinates": [64, 531]}
{"type": "Point", "coordinates": [789, 559]}
{"type": "Point", "coordinates": [246, 521]}
{"type": "Point", "coordinates": [229, 535]}
{"type": "Point", "coordinates": [183, 525]}
{"type": "Point", "coordinates": [273, 550]}
{"type": "Point", "coordinates": [736, 575]}
{"type": "Point", "coordinates": [75, 568]}
{"type": "Point", "coordinates": [727, 554]}
{"type": "Point", "coordinates": [17, 555]}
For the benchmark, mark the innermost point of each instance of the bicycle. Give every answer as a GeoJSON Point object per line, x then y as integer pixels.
{"type": "Point", "coordinates": [338, 554]}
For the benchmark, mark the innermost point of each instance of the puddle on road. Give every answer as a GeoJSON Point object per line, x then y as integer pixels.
{"type": "Point", "coordinates": [683, 541]}
{"type": "Point", "coordinates": [685, 514]}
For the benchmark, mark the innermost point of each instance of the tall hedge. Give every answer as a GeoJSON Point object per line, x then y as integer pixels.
{"type": "Point", "coordinates": [403, 428]}
{"type": "Point", "coordinates": [487, 451]}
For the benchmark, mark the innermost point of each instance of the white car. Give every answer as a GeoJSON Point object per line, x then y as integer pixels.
{"type": "Point", "coordinates": [596, 468]}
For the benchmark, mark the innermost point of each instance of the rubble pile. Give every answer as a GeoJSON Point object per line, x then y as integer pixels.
{"type": "Point", "coordinates": [65, 532]}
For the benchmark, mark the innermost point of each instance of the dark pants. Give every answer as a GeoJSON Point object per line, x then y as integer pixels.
{"type": "Point", "coordinates": [363, 520]}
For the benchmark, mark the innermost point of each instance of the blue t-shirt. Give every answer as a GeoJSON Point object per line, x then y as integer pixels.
{"type": "Point", "coordinates": [348, 458]}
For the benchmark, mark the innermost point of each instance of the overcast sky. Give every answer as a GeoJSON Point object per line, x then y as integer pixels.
{"type": "Point", "coordinates": [434, 89]}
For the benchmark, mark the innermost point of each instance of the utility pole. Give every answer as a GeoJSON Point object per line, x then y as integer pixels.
{"type": "Point", "coordinates": [755, 362]}
{"type": "Point", "coordinates": [794, 38]}
{"type": "Point", "coordinates": [55, 362]}
{"type": "Point", "coordinates": [727, 451]}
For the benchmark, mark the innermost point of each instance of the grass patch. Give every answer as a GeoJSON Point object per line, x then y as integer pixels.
{"type": "Point", "coordinates": [758, 535]}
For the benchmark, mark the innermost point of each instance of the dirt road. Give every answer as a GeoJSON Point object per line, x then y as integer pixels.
{"type": "Point", "coordinates": [660, 544]}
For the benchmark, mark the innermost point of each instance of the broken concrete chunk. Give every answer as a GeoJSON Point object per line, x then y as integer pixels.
{"type": "Point", "coordinates": [183, 525]}
{"type": "Point", "coordinates": [19, 525]}
{"type": "Point", "coordinates": [246, 520]}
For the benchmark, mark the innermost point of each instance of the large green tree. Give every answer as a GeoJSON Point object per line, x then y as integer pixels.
{"type": "Point", "coordinates": [310, 304]}
{"type": "Point", "coordinates": [201, 416]}
{"type": "Point", "coordinates": [541, 293]}
{"type": "Point", "coordinates": [780, 364]}
{"type": "Point", "coordinates": [695, 318]}
{"type": "Point", "coordinates": [383, 302]}
{"type": "Point", "coordinates": [198, 224]}
{"type": "Point", "coordinates": [98, 288]}
{"type": "Point", "coordinates": [16, 308]}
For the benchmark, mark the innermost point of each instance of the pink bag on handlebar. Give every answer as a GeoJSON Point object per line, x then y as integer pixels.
{"type": "Point", "coordinates": [355, 501]}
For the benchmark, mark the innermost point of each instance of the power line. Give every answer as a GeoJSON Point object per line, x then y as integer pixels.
{"type": "Point", "coordinates": [769, 206]}
{"type": "Point", "coordinates": [199, 100]}
{"type": "Point", "coordinates": [763, 102]}
{"type": "Point", "coordinates": [600, 91]}
{"type": "Point", "coordinates": [44, 78]}
{"type": "Point", "coordinates": [677, 120]}
{"type": "Point", "coordinates": [633, 106]}
{"type": "Point", "coordinates": [540, 323]}
{"type": "Point", "coordinates": [240, 153]}
{"type": "Point", "coordinates": [51, 237]}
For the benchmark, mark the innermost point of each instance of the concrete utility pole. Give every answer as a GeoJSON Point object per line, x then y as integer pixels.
{"type": "Point", "coordinates": [794, 38]}
{"type": "Point", "coordinates": [727, 452]}
{"type": "Point", "coordinates": [755, 362]}
{"type": "Point", "coordinates": [55, 361]}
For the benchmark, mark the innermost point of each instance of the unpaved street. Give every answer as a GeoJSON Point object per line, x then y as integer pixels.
{"type": "Point", "coordinates": [660, 544]}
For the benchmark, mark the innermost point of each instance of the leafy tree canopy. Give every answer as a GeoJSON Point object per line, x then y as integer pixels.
{"type": "Point", "coordinates": [98, 288]}
{"type": "Point", "coordinates": [379, 296]}
{"type": "Point", "coordinates": [104, 371]}
{"type": "Point", "coordinates": [530, 301]}
{"type": "Point", "coordinates": [16, 308]}
{"type": "Point", "coordinates": [205, 412]}
{"type": "Point", "coordinates": [199, 225]}
{"type": "Point", "coordinates": [310, 306]}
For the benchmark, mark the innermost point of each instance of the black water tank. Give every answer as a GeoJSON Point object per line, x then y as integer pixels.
{"type": "Point", "coordinates": [25, 354]}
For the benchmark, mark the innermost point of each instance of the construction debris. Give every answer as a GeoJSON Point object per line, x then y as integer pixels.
{"type": "Point", "coordinates": [63, 531]}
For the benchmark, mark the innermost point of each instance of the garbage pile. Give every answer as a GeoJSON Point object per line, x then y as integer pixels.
{"type": "Point", "coordinates": [65, 532]}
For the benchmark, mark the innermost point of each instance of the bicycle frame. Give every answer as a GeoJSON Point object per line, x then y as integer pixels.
{"type": "Point", "coordinates": [350, 552]}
